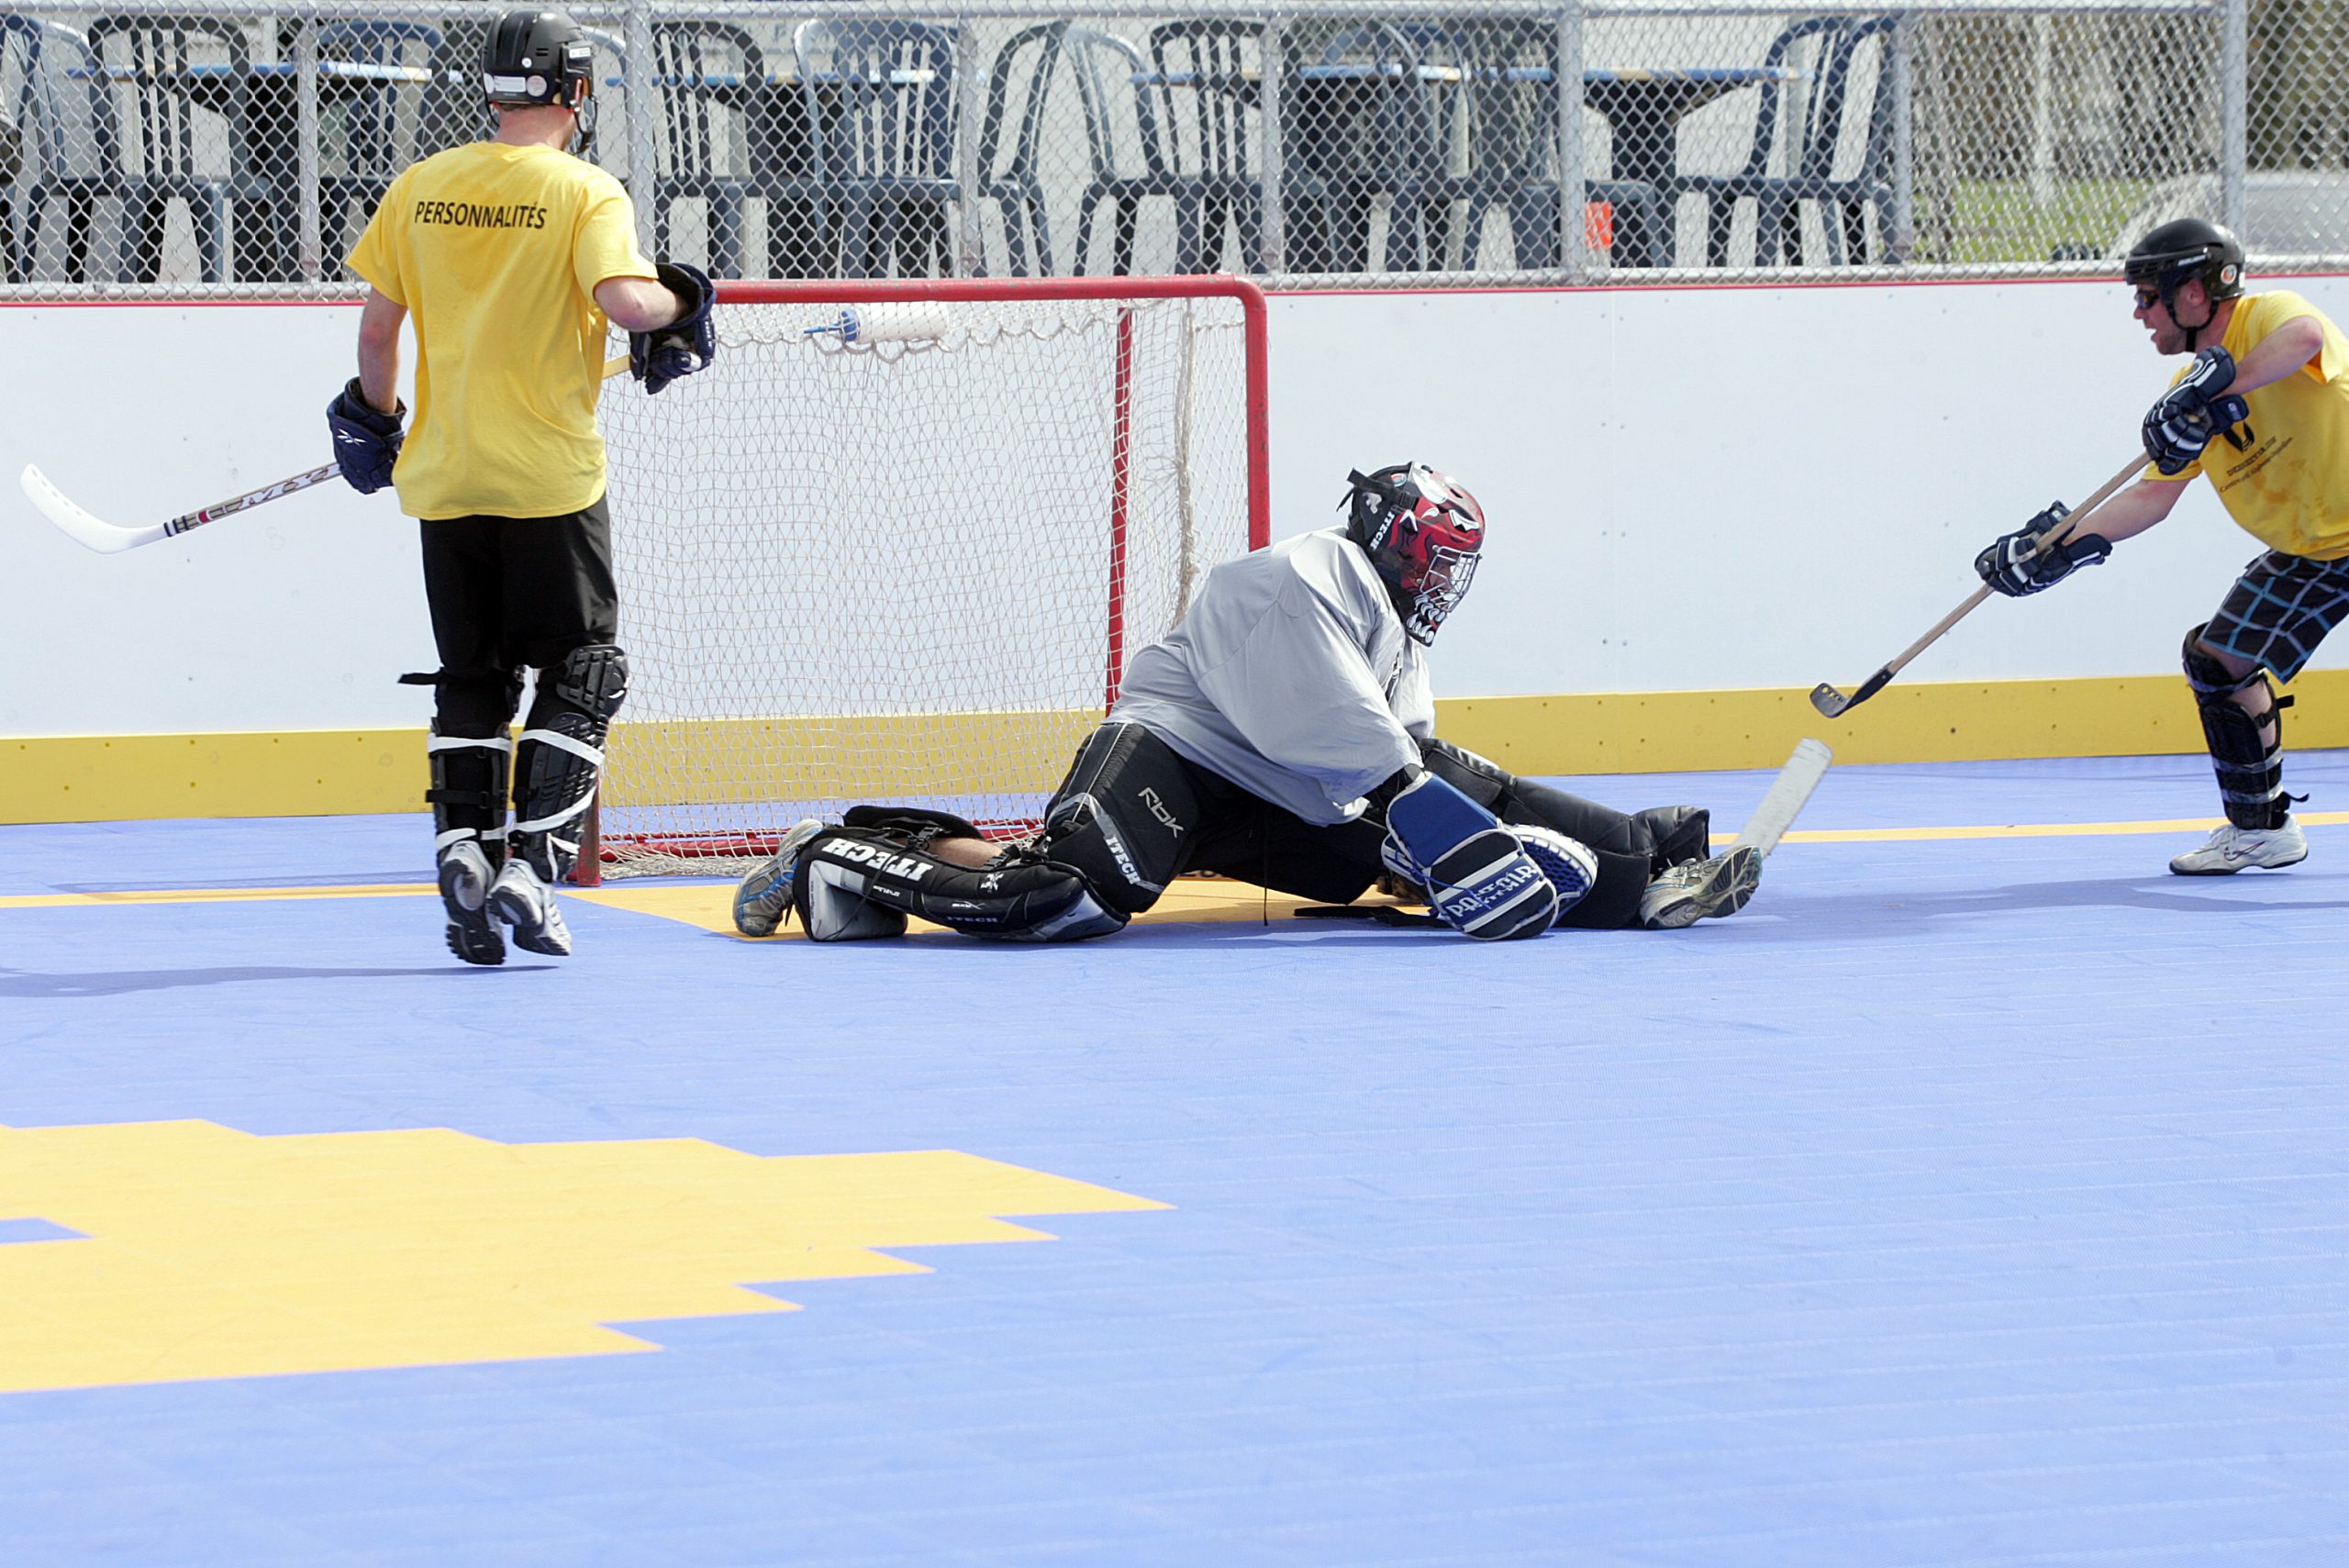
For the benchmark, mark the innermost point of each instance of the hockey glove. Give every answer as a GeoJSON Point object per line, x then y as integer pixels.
{"type": "Point", "coordinates": [366, 439]}
{"type": "Point", "coordinates": [2189, 416]}
{"type": "Point", "coordinates": [685, 345]}
{"type": "Point", "coordinates": [2015, 565]}
{"type": "Point", "coordinates": [1480, 879]}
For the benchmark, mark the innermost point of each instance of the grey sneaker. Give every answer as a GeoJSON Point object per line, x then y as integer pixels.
{"type": "Point", "coordinates": [464, 894]}
{"type": "Point", "coordinates": [1697, 890]}
{"type": "Point", "coordinates": [764, 895]}
{"type": "Point", "coordinates": [526, 904]}
{"type": "Point", "coordinates": [2232, 848]}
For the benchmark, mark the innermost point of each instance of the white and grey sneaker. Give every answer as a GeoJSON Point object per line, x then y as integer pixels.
{"type": "Point", "coordinates": [465, 892]}
{"type": "Point", "coordinates": [2231, 849]}
{"type": "Point", "coordinates": [1698, 890]}
{"type": "Point", "coordinates": [764, 897]}
{"type": "Point", "coordinates": [521, 899]}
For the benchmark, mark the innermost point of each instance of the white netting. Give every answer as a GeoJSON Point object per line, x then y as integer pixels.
{"type": "Point", "coordinates": [907, 570]}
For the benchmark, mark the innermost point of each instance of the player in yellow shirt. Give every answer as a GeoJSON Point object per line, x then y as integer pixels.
{"type": "Point", "coordinates": [514, 259]}
{"type": "Point", "coordinates": [2262, 411]}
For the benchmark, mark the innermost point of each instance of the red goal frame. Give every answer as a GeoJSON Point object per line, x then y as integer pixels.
{"type": "Point", "coordinates": [588, 871]}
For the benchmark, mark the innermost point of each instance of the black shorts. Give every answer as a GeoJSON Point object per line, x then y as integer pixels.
{"type": "Point", "coordinates": [512, 592]}
{"type": "Point", "coordinates": [2279, 609]}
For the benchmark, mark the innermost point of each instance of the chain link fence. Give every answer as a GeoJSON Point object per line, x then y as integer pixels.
{"type": "Point", "coordinates": [195, 147]}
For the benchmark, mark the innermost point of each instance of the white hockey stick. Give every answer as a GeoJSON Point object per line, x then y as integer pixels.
{"type": "Point", "coordinates": [1785, 797]}
{"type": "Point", "coordinates": [111, 539]}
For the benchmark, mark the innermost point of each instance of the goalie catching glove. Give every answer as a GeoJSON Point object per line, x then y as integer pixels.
{"type": "Point", "coordinates": [366, 439]}
{"type": "Point", "coordinates": [685, 345]}
{"type": "Point", "coordinates": [2194, 412]}
{"type": "Point", "coordinates": [1481, 878]}
{"type": "Point", "coordinates": [2015, 564]}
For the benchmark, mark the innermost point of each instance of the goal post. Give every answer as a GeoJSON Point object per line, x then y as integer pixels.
{"type": "Point", "coordinates": [899, 540]}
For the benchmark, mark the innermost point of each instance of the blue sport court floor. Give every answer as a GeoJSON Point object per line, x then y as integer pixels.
{"type": "Point", "coordinates": [1978, 1197]}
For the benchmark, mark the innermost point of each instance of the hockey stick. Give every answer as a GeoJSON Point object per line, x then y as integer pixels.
{"type": "Point", "coordinates": [1785, 797]}
{"type": "Point", "coordinates": [1831, 702]}
{"type": "Point", "coordinates": [111, 539]}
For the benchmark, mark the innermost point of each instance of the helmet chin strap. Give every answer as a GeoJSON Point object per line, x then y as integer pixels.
{"type": "Point", "coordinates": [2193, 333]}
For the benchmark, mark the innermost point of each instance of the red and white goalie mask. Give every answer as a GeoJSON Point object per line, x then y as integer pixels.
{"type": "Point", "coordinates": [1422, 533]}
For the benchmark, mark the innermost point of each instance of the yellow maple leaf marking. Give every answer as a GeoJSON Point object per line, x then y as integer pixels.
{"type": "Point", "coordinates": [209, 1253]}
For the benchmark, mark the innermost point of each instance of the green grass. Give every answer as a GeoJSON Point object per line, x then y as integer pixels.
{"type": "Point", "coordinates": [1995, 220]}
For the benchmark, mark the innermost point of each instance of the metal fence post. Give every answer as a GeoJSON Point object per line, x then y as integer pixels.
{"type": "Point", "coordinates": [643, 102]}
{"type": "Point", "coordinates": [1271, 53]}
{"type": "Point", "coordinates": [970, 258]}
{"type": "Point", "coordinates": [2235, 108]}
{"type": "Point", "coordinates": [1573, 201]}
{"type": "Point", "coordinates": [308, 246]}
{"type": "Point", "coordinates": [1901, 60]}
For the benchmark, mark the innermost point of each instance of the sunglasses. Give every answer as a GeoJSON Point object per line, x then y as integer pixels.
{"type": "Point", "coordinates": [2148, 297]}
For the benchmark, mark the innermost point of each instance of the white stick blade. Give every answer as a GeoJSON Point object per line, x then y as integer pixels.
{"type": "Point", "coordinates": [1787, 793]}
{"type": "Point", "coordinates": [97, 534]}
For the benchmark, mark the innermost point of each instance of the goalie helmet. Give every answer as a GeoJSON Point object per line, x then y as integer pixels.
{"type": "Point", "coordinates": [537, 59]}
{"type": "Point", "coordinates": [1422, 533]}
{"type": "Point", "coordinates": [2184, 251]}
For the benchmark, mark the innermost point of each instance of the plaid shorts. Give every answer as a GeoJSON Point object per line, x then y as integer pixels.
{"type": "Point", "coordinates": [2281, 609]}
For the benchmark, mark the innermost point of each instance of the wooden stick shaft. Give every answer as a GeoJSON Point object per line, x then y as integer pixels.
{"type": "Point", "coordinates": [2072, 525]}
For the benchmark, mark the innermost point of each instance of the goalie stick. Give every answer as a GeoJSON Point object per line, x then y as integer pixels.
{"type": "Point", "coordinates": [1832, 703]}
{"type": "Point", "coordinates": [1785, 797]}
{"type": "Point", "coordinates": [111, 539]}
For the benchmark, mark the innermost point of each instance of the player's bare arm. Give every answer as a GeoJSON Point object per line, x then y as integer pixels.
{"type": "Point", "coordinates": [638, 305]}
{"type": "Point", "coordinates": [2277, 355]}
{"type": "Point", "coordinates": [379, 350]}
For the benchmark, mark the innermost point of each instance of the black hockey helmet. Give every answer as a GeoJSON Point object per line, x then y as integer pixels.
{"type": "Point", "coordinates": [537, 58]}
{"type": "Point", "coordinates": [2184, 250]}
{"type": "Point", "coordinates": [1422, 532]}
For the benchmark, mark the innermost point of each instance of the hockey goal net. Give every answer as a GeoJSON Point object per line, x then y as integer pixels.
{"type": "Point", "coordinates": [908, 562]}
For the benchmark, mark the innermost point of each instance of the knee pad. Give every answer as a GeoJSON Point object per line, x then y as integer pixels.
{"type": "Point", "coordinates": [562, 754]}
{"type": "Point", "coordinates": [1676, 833]}
{"type": "Point", "coordinates": [2250, 769]}
{"type": "Point", "coordinates": [856, 882]}
{"type": "Point", "coordinates": [1124, 818]}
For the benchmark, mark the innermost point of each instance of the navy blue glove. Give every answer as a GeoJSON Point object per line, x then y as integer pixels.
{"type": "Point", "coordinates": [2015, 565]}
{"type": "Point", "coordinates": [685, 345]}
{"type": "Point", "coordinates": [366, 439]}
{"type": "Point", "coordinates": [1479, 879]}
{"type": "Point", "coordinates": [2192, 413]}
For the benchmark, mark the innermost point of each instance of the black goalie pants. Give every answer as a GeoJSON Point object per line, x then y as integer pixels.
{"type": "Point", "coordinates": [1133, 813]}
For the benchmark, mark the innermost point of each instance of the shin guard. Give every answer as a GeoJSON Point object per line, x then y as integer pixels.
{"type": "Point", "coordinates": [562, 755]}
{"type": "Point", "coordinates": [2250, 767]}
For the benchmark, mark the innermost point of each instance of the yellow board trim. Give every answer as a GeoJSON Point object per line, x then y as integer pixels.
{"type": "Point", "coordinates": [321, 773]}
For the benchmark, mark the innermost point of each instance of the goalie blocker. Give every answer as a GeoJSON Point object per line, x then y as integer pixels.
{"type": "Point", "coordinates": [1133, 813]}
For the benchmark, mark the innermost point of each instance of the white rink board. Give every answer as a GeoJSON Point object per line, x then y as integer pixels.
{"type": "Point", "coordinates": [1690, 489]}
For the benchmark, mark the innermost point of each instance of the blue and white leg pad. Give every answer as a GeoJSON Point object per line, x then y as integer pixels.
{"type": "Point", "coordinates": [1480, 879]}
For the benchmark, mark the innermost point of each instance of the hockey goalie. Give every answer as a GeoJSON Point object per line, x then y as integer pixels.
{"type": "Point", "coordinates": [1283, 735]}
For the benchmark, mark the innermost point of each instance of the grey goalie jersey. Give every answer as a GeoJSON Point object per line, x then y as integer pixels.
{"type": "Point", "coordinates": [1291, 676]}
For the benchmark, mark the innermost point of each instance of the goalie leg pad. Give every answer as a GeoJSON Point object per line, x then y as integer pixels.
{"type": "Point", "coordinates": [923, 825]}
{"type": "Point", "coordinates": [856, 882]}
{"type": "Point", "coordinates": [561, 754]}
{"type": "Point", "coordinates": [1480, 879]}
{"type": "Point", "coordinates": [2250, 767]}
{"type": "Point", "coordinates": [1674, 834]}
